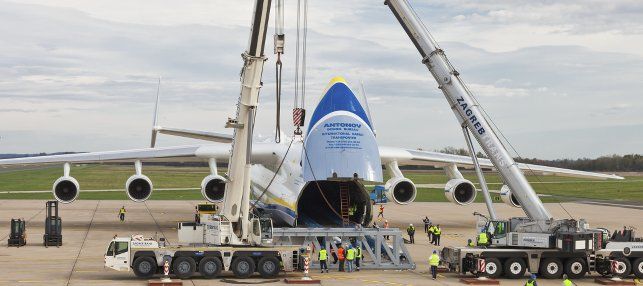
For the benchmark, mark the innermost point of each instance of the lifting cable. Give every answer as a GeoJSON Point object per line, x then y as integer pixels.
{"type": "Point", "coordinates": [278, 68]}
{"type": "Point", "coordinates": [299, 113]}
{"type": "Point", "coordinates": [279, 42]}
{"type": "Point", "coordinates": [254, 205]}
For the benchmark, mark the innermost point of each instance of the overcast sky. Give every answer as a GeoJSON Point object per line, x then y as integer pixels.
{"type": "Point", "coordinates": [560, 79]}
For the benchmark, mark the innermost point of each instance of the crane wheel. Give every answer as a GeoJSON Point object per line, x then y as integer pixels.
{"type": "Point", "coordinates": [493, 267]}
{"type": "Point", "coordinates": [623, 268]}
{"type": "Point", "coordinates": [268, 267]}
{"type": "Point", "coordinates": [210, 267]}
{"type": "Point", "coordinates": [575, 267]}
{"type": "Point", "coordinates": [515, 267]}
{"type": "Point", "coordinates": [638, 268]}
{"type": "Point", "coordinates": [243, 267]}
{"type": "Point", "coordinates": [551, 268]}
{"type": "Point", "coordinates": [184, 267]}
{"type": "Point", "coordinates": [144, 267]}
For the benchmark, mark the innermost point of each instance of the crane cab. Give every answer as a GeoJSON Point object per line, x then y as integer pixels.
{"type": "Point", "coordinates": [261, 231]}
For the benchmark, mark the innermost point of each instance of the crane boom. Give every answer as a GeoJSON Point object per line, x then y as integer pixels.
{"type": "Point", "coordinates": [466, 109]}
{"type": "Point", "coordinates": [237, 191]}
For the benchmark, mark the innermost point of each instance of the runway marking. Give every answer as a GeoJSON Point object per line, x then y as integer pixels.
{"type": "Point", "coordinates": [83, 243]}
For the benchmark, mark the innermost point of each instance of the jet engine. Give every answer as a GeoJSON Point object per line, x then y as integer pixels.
{"type": "Point", "coordinates": [213, 188]}
{"type": "Point", "coordinates": [460, 191]}
{"type": "Point", "coordinates": [508, 197]}
{"type": "Point", "coordinates": [400, 190]}
{"type": "Point", "coordinates": [139, 188]}
{"type": "Point", "coordinates": [66, 189]}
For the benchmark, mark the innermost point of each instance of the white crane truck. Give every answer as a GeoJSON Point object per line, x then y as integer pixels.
{"type": "Point", "coordinates": [232, 240]}
{"type": "Point", "coordinates": [537, 243]}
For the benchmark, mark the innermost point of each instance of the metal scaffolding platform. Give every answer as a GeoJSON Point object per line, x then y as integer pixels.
{"type": "Point", "coordinates": [378, 253]}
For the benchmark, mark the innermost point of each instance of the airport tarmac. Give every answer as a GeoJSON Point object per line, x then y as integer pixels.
{"type": "Point", "coordinates": [88, 226]}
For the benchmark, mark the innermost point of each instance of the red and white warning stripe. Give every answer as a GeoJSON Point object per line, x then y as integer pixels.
{"type": "Point", "coordinates": [298, 116]}
{"type": "Point", "coordinates": [482, 265]}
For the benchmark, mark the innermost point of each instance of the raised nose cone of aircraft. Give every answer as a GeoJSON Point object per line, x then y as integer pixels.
{"type": "Point", "coordinates": [340, 141]}
{"type": "Point", "coordinates": [338, 97]}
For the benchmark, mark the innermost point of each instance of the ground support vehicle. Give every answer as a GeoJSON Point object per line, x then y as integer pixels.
{"type": "Point", "coordinates": [18, 236]}
{"type": "Point", "coordinates": [146, 257]}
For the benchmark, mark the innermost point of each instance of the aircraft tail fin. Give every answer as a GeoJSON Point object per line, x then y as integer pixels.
{"type": "Point", "coordinates": [156, 115]}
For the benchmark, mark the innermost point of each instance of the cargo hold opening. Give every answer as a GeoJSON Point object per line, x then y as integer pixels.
{"type": "Point", "coordinates": [314, 211]}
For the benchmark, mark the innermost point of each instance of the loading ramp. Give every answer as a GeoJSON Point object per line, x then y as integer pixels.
{"type": "Point", "coordinates": [378, 253]}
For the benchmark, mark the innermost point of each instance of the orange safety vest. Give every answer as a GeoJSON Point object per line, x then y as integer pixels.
{"type": "Point", "coordinates": [340, 253]}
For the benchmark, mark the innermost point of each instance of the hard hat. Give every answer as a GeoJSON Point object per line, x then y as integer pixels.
{"type": "Point", "coordinates": [410, 224]}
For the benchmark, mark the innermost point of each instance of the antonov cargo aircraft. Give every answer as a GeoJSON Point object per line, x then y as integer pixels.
{"type": "Point", "coordinates": [306, 182]}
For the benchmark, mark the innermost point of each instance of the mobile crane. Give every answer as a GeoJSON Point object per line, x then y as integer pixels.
{"type": "Point", "coordinates": [538, 242]}
{"type": "Point", "coordinates": [232, 240]}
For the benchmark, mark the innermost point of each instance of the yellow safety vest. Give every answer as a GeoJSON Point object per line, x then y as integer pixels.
{"type": "Point", "coordinates": [323, 255]}
{"type": "Point", "coordinates": [437, 231]}
{"type": "Point", "coordinates": [434, 260]}
{"type": "Point", "coordinates": [482, 238]}
{"type": "Point", "coordinates": [431, 229]}
{"type": "Point", "coordinates": [471, 244]}
{"type": "Point", "coordinates": [530, 282]}
{"type": "Point", "coordinates": [350, 254]}
{"type": "Point", "coordinates": [121, 211]}
{"type": "Point", "coordinates": [567, 282]}
{"type": "Point", "coordinates": [358, 252]}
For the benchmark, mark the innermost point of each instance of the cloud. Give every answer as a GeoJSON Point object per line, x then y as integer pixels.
{"type": "Point", "coordinates": [83, 70]}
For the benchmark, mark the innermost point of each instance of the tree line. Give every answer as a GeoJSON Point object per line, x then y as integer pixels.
{"type": "Point", "coordinates": [611, 163]}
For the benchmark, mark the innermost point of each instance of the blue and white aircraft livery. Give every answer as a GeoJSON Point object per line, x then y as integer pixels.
{"type": "Point", "coordinates": [309, 181]}
{"type": "Point", "coordinates": [341, 142]}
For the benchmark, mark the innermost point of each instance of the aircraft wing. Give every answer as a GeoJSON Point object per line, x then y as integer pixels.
{"type": "Point", "coordinates": [437, 159]}
{"type": "Point", "coordinates": [261, 152]}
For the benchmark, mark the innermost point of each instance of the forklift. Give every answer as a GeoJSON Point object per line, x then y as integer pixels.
{"type": "Point", "coordinates": [53, 226]}
{"type": "Point", "coordinates": [18, 235]}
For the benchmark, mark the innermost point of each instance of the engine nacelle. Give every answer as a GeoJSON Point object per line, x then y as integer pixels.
{"type": "Point", "coordinates": [460, 191]}
{"type": "Point", "coordinates": [400, 190]}
{"type": "Point", "coordinates": [508, 197]}
{"type": "Point", "coordinates": [213, 188]}
{"type": "Point", "coordinates": [66, 189]}
{"type": "Point", "coordinates": [139, 188]}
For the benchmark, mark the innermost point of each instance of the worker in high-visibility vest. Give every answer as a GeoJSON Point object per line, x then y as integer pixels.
{"type": "Point", "coordinates": [531, 281]}
{"type": "Point", "coordinates": [567, 282]}
{"type": "Point", "coordinates": [323, 257]}
{"type": "Point", "coordinates": [434, 261]}
{"type": "Point", "coordinates": [430, 233]}
{"type": "Point", "coordinates": [352, 210]}
{"type": "Point", "coordinates": [350, 257]}
{"type": "Point", "coordinates": [411, 232]}
{"type": "Point", "coordinates": [483, 239]}
{"type": "Point", "coordinates": [358, 255]}
{"type": "Point", "coordinates": [470, 243]}
{"type": "Point", "coordinates": [437, 231]}
{"type": "Point", "coordinates": [341, 257]}
{"type": "Point", "coordinates": [121, 213]}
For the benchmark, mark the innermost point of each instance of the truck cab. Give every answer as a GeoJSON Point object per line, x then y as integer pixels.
{"type": "Point", "coordinates": [117, 255]}
{"type": "Point", "coordinates": [119, 251]}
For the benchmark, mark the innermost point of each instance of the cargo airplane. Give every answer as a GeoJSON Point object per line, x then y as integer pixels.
{"type": "Point", "coordinates": [309, 180]}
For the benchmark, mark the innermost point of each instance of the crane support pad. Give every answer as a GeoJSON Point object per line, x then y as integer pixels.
{"type": "Point", "coordinates": [611, 281]}
{"type": "Point", "coordinates": [159, 282]}
{"type": "Point", "coordinates": [479, 281]}
{"type": "Point", "coordinates": [302, 281]}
